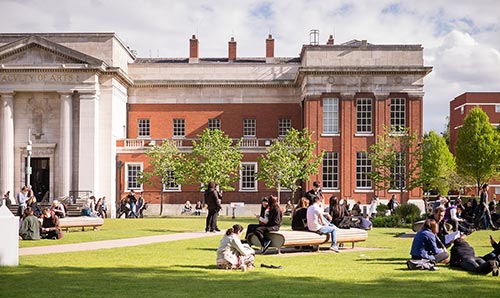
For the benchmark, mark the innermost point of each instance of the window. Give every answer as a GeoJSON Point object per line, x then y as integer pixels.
{"type": "Point", "coordinates": [331, 170]}
{"type": "Point", "coordinates": [143, 128]}
{"type": "Point", "coordinates": [363, 170]}
{"type": "Point", "coordinates": [133, 172]}
{"type": "Point", "coordinates": [284, 125]}
{"type": "Point", "coordinates": [364, 115]}
{"type": "Point", "coordinates": [330, 115]}
{"type": "Point", "coordinates": [214, 124]}
{"type": "Point", "coordinates": [497, 108]}
{"type": "Point", "coordinates": [249, 128]}
{"type": "Point", "coordinates": [171, 185]}
{"type": "Point", "coordinates": [398, 173]}
{"type": "Point", "coordinates": [179, 128]}
{"type": "Point", "coordinates": [398, 114]}
{"type": "Point", "coordinates": [247, 176]}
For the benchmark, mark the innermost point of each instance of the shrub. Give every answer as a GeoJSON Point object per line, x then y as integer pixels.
{"type": "Point", "coordinates": [407, 213]}
{"type": "Point", "coordinates": [381, 209]}
{"type": "Point", "coordinates": [390, 221]}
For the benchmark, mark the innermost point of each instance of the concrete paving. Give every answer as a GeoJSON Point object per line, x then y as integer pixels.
{"type": "Point", "coordinates": [95, 245]}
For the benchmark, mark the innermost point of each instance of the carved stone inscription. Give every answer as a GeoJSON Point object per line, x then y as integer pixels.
{"type": "Point", "coordinates": [25, 78]}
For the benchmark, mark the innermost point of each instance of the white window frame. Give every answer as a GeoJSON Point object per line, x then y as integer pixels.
{"type": "Point", "coordinates": [330, 115]}
{"type": "Point", "coordinates": [334, 167]}
{"type": "Point", "coordinates": [214, 123]}
{"type": "Point", "coordinates": [284, 125]}
{"type": "Point", "coordinates": [363, 170]}
{"type": "Point", "coordinates": [171, 189]}
{"type": "Point", "coordinates": [143, 127]}
{"type": "Point", "coordinates": [497, 108]}
{"type": "Point", "coordinates": [364, 114]}
{"type": "Point", "coordinates": [398, 168]}
{"type": "Point", "coordinates": [249, 128]}
{"type": "Point", "coordinates": [127, 165]}
{"type": "Point", "coordinates": [255, 188]}
{"type": "Point", "coordinates": [178, 125]}
{"type": "Point", "coordinates": [398, 115]}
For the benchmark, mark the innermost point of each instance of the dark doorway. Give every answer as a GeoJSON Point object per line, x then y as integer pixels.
{"type": "Point", "coordinates": [40, 178]}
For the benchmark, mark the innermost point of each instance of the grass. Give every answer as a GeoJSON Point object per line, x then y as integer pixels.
{"type": "Point", "coordinates": [186, 269]}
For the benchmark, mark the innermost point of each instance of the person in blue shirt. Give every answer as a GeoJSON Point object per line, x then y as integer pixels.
{"type": "Point", "coordinates": [425, 246]}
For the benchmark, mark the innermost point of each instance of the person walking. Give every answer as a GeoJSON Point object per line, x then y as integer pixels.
{"type": "Point", "coordinates": [214, 206]}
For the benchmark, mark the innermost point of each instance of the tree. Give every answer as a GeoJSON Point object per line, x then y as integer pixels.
{"type": "Point", "coordinates": [214, 158]}
{"type": "Point", "coordinates": [438, 163]}
{"type": "Point", "coordinates": [477, 148]}
{"type": "Point", "coordinates": [396, 160]}
{"type": "Point", "coordinates": [167, 163]}
{"type": "Point", "coordinates": [288, 161]}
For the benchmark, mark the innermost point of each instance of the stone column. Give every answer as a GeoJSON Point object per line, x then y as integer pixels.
{"type": "Point", "coordinates": [7, 149]}
{"type": "Point", "coordinates": [88, 161]}
{"type": "Point", "coordinates": [65, 143]}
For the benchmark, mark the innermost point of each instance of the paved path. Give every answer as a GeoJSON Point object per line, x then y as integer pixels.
{"type": "Point", "coordinates": [110, 243]}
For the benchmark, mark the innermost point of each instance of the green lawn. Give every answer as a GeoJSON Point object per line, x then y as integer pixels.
{"type": "Point", "coordinates": [186, 269]}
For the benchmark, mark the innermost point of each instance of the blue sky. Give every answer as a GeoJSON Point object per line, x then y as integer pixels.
{"type": "Point", "coordinates": [461, 38]}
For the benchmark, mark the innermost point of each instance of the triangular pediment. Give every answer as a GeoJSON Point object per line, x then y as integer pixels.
{"type": "Point", "coordinates": [38, 51]}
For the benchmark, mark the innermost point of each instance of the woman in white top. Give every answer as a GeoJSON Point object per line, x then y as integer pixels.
{"type": "Point", "coordinates": [232, 254]}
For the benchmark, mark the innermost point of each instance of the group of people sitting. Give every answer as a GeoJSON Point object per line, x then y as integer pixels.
{"type": "Point", "coordinates": [95, 207]}
{"type": "Point", "coordinates": [430, 244]}
{"type": "Point", "coordinates": [46, 226]}
{"type": "Point", "coordinates": [188, 208]}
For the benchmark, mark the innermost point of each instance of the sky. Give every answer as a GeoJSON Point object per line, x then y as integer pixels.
{"type": "Point", "coordinates": [461, 38]}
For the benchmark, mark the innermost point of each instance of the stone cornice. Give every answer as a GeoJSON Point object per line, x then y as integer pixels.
{"type": "Point", "coordinates": [213, 83]}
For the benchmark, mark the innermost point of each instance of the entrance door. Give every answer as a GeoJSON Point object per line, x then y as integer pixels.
{"type": "Point", "coordinates": [40, 178]}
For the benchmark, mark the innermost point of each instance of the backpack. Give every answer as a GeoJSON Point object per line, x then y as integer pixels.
{"type": "Point", "coordinates": [423, 264]}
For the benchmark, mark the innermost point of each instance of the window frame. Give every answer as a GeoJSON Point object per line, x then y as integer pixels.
{"type": "Point", "coordinates": [128, 177]}
{"type": "Point", "coordinates": [331, 115]}
{"type": "Point", "coordinates": [398, 116]}
{"type": "Point", "coordinates": [247, 128]}
{"type": "Point", "coordinates": [141, 128]}
{"type": "Point", "coordinates": [399, 168]}
{"type": "Point", "coordinates": [176, 128]}
{"type": "Point", "coordinates": [241, 182]}
{"type": "Point", "coordinates": [334, 166]}
{"type": "Point", "coordinates": [366, 115]}
{"type": "Point", "coordinates": [363, 170]}
{"type": "Point", "coordinates": [171, 189]}
{"type": "Point", "coordinates": [284, 125]}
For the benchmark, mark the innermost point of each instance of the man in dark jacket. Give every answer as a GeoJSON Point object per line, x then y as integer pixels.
{"type": "Point", "coordinates": [214, 206]}
{"type": "Point", "coordinates": [463, 256]}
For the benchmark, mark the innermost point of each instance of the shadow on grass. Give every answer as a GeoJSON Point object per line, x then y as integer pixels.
{"type": "Point", "coordinates": [206, 281]}
{"type": "Point", "coordinates": [395, 261]}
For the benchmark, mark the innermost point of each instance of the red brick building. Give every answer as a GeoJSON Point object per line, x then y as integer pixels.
{"type": "Point", "coordinates": [343, 93]}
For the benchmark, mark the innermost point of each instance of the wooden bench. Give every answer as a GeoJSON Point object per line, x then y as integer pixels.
{"type": "Point", "coordinates": [289, 238]}
{"type": "Point", "coordinates": [80, 221]}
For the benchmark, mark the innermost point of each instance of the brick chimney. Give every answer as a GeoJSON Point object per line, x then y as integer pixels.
{"type": "Point", "coordinates": [231, 50]}
{"type": "Point", "coordinates": [270, 49]}
{"type": "Point", "coordinates": [330, 40]}
{"type": "Point", "coordinates": [193, 50]}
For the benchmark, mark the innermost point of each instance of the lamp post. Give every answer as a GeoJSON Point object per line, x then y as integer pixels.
{"type": "Point", "coordinates": [28, 160]}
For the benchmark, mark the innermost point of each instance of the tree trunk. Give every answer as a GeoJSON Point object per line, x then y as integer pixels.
{"type": "Point", "coordinates": [161, 201]}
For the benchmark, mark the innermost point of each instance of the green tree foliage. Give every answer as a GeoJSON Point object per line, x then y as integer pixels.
{"type": "Point", "coordinates": [438, 164]}
{"type": "Point", "coordinates": [289, 160]}
{"type": "Point", "coordinates": [477, 149]}
{"type": "Point", "coordinates": [214, 158]}
{"type": "Point", "coordinates": [386, 154]}
{"type": "Point", "coordinates": [166, 162]}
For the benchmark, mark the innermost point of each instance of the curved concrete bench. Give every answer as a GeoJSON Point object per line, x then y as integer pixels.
{"type": "Point", "coordinates": [286, 238]}
{"type": "Point", "coordinates": [80, 221]}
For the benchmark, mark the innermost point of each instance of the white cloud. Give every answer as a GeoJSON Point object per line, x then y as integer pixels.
{"type": "Point", "coordinates": [461, 40]}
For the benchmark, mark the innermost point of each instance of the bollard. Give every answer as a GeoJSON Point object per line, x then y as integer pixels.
{"type": "Point", "coordinates": [9, 235]}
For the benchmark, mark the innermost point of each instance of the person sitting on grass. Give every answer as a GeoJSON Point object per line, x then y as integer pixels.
{"type": "Point", "coordinates": [274, 223]}
{"type": "Point", "coordinates": [187, 208]}
{"type": "Point", "coordinates": [425, 245]}
{"type": "Point", "coordinates": [50, 225]}
{"type": "Point", "coordinates": [232, 254]}
{"type": "Point", "coordinates": [299, 215]}
{"type": "Point", "coordinates": [30, 226]}
{"type": "Point", "coordinates": [463, 256]}
{"type": "Point", "coordinates": [37, 210]}
{"type": "Point", "coordinates": [198, 208]}
{"type": "Point", "coordinates": [317, 223]}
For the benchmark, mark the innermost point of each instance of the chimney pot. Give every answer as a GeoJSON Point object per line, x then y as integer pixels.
{"type": "Point", "coordinates": [330, 40]}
